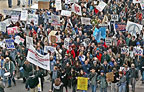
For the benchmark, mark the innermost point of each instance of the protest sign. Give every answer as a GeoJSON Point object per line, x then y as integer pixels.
{"type": "Point", "coordinates": [18, 39]}
{"type": "Point", "coordinates": [74, 1]}
{"type": "Point", "coordinates": [55, 20]}
{"type": "Point", "coordinates": [65, 13]}
{"type": "Point", "coordinates": [114, 17]}
{"type": "Point", "coordinates": [3, 27]}
{"type": "Point", "coordinates": [66, 43]}
{"type": "Point", "coordinates": [82, 83]}
{"type": "Point", "coordinates": [67, 1]}
{"type": "Point", "coordinates": [124, 50]}
{"type": "Point", "coordinates": [24, 15]}
{"type": "Point", "coordinates": [136, 1]}
{"type": "Point", "coordinates": [12, 30]}
{"type": "Point", "coordinates": [142, 5]}
{"type": "Point", "coordinates": [14, 18]}
{"type": "Point", "coordinates": [49, 48]}
{"type": "Point", "coordinates": [108, 41]}
{"type": "Point", "coordinates": [32, 17]}
{"type": "Point", "coordinates": [120, 26]}
{"type": "Point", "coordinates": [101, 6]}
{"type": "Point", "coordinates": [7, 12]}
{"type": "Point", "coordinates": [76, 9]}
{"type": "Point", "coordinates": [58, 5]}
{"type": "Point", "coordinates": [34, 6]}
{"type": "Point", "coordinates": [2, 44]}
{"type": "Point", "coordinates": [29, 41]}
{"type": "Point", "coordinates": [43, 4]}
{"type": "Point", "coordinates": [15, 12]}
{"type": "Point", "coordinates": [37, 59]}
{"type": "Point", "coordinates": [9, 43]}
{"type": "Point", "coordinates": [133, 28]}
{"type": "Point", "coordinates": [7, 22]}
{"type": "Point", "coordinates": [138, 51]}
{"type": "Point", "coordinates": [110, 76]}
{"type": "Point", "coordinates": [85, 21]}
{"type": "Point", "coordinates": [54, 38]}
{"type": "Point", "coordinates": [87, 41]}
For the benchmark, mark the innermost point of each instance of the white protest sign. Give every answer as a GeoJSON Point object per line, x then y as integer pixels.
{"type": "Point", "coordinates": [24, 15]}
{"type": "Point", "coordinates": [2, 44]}
{"type": "Point", "coordinates": [136, 1]}
{"type": "Point", "coordinates": [87, 41]}
{"type": "Point", "coordinates": [58, 5]}
{"type": "Point", "coordinates": [9, 43]}
{"type": "Point", "coordinates": [66, 43]}
{"type": "Point", "coordinates": [55, 20]}
{"type": "Point", "coordinates": [108, 41]}
{"type": "Point", "coordinates": [133, 28]}
{"type": "Point", "coordinates": [65, 13]}
{"type": "Point", "coordinates": [76, 9]}
{"type": "Point", "coordinates": [85, 21]}
{"type": "Point", "coordinates": [142, 4]}
{"type": "Point", "coordinates": [7, 12]}
{"type": "Point", "coordinates": [32, 17]}
{"type": "Point", "coordinates": [101, 6]}
{"type": "Point", "coordinates": [67, 1]}
{"type": "Point", "coordinates": [37, 59]}
{"type": "Point", "coordinates": [12, 30]}
{"type": "Point", "coordinates": [7, 22]}
{"type": "Point", "coordinates": [29, 41]}
{"type": "Point", "coordinates": [138, 51]}
{"type": "Point", "coordinates": [3, 26]}
{"type": "Point", "coordinates": [49, 48]}
{"type": "Point", "coordinates": [124, 50]}
{"type": "Point", "coordinates": [74, 1]}
{"type": "Point", "coordinates": [14, 18]}
{"type": "Point", "coordinates": [114, 17]}
{"type": "Point", "coordinates": [18, 39]}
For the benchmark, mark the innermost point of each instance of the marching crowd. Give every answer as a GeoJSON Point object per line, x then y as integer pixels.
{"type": "Point", "coordinates": [92, 60]}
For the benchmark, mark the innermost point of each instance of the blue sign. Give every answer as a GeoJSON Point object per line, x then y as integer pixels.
{"type": "Point", "coordinates": [9, 43]}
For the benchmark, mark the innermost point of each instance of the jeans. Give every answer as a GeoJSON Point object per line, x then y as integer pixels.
{"type": "Point", "coordinates": [114, 87]}
{"type": "Point", "coordinates": [9, 80]}
{"type": "Point", "coordinates": [93, 88]}
{"type": "Point", "coordinates": [133, 82]}
{"type": "Point", "coordinates": [30, 2]}
{"type": "Point", "coordinates": [10, 3]}
{"type": "Point", "coordinates": [103, 89]}
{"type": "Point", "coordinates": [122, 87]}
{"type": "Point", "coordinates": [2, 72]}
{"type": "Point", "coordinates": [143, 75]}
{"type": "Point", "coordinates": [74, 88]}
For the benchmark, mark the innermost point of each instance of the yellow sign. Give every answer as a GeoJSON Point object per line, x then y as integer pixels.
{"type": "Point", "coordinates": [82, 83]}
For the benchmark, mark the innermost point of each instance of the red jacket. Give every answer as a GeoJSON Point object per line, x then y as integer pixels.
{"type": "Point", "coordinates": [72, 53]}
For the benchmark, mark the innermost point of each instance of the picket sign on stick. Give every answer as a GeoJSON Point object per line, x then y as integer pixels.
{"type": "Point", "coordinates": [85, 21]}
{"type": "Point", "coordinates": [65, 13]}
{"type": "Point", "coordinates": [9, 43]}
{"type": "Point", "coordinates": [76, 9]}
{"type": "Point", "coordinates": [138, 51]}
{"type": "Point", "coordinates": [29, 41]}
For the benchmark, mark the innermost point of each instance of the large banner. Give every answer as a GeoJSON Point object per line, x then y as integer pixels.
{"type": "Point", "coordinates": [58, 5]}
{"type": "Point", "coordinates": [76, 9]}
{"type": "Point", "coordinates": [85, 21]}
{"type": "Point", "coordinates": [29, 41]}
{"type": "Point", "coordinates": [9, 43]}
{"type": "Point", "coordinates": [12, 30]}
{"type": "Point", "coordinates": [32, 17]}
{"type": "Point", "coordinates": [37, 59]}
{"type": "Point", "coordinates": [82, 83]}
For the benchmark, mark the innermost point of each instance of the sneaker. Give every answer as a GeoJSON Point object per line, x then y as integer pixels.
{"type": "Point", "coordinates": [9, 86]}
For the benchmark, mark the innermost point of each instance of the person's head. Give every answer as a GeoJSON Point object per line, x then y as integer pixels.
{"type": "Point", "coordinates": [120, 73]}
{"type": "Point", "coordinates": [7, 59]}
{"type": "Point", "coordinates": [132, 66]}
{"type": "Point", "coordinates": [102, 72]}
{"type": "Point", "coordinates": [86, 62]}
{"type": "Point", "coordinates": [57, 81]}
{"type": "Point", "coordinates": [51, 57]}
{"type": "Point", "coordinates": [105, 62]}
{"type": "Point", "coordinates": [93, 70]}
{"type": "Point", "coordinates": [81, 72]}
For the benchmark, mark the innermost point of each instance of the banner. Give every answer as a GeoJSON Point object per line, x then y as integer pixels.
{"type": "Point", "coordinates": [110, 76]}
{"type": "Point", "coordinates": [12, 30]}
{"type": "Point", "coordinates": [76, 9]}
{"type": "Point", "coordinates": [9, 43]}
{"type": "Point", "coordinates": [133, 28]}
{"type": "Point", "coordinates": [82, 83]}
{"type": "Point", "coordinates": [65, 13]}
{"type": "Point", "coordinates": [85, 21]}
{"type": "Point", "coordinates": [66, 43]}
{"type": "Point", "coordinates": [101, 6]}
{"type": "Point", "coordinates": [120, 26]}
{"type": "Point", "coordinates": [49, 48]}
{"type": "Point", "coordinates": [18, 39]}
{"type": "Point", "coordinates": [58, 5]}
{"type": "Point", "coordinates": [138, 51]}
{"type": "Point", "coordinates": [124, 50]}
{"type": "Point", "coordinates": [108, 41]}
{"type": "Point", "coordinates": [32, 17]}
{"type": "Point", "coordinates": [37, 59]}
{"type": "Point", "coordinates": [3, 27]}
{"type": "Point", "coordinates": [114, 17]}
{"type": "Point", "coordinates": [29, 41]}
{"type": "Point", "coordinates": [55, 20]}
{"type": "Point", "coordinates": [43, 5]}
{"type": "Point", "coordinates": [24, 15]}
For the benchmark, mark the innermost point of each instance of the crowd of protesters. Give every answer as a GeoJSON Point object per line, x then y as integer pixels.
{"type": "Point", "coordinates": [92, 61]}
